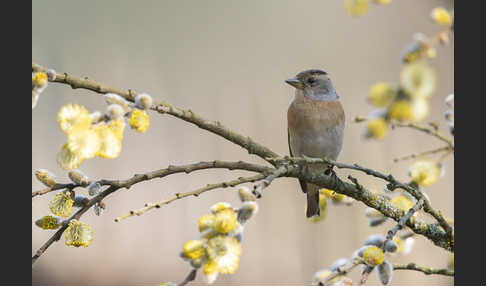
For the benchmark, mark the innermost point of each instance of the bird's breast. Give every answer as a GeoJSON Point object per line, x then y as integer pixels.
{"type": "Point", "coordinates": [316, 128]}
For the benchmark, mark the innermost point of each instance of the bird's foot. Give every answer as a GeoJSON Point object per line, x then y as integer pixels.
{"type": "Point", "coordinates": [311, 159]}
{"type": "Point", "coordinates": [330, 172]}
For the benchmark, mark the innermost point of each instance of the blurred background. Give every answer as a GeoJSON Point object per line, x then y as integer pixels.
{"type": "Point", "coordinates": [227, 61]}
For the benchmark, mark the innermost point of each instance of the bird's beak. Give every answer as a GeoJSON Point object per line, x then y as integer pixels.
{"type": "Point", "coordinates": [294, 82]}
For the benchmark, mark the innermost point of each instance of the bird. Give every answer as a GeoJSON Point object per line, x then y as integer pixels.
{"type": "Point", "coordinates": [316, 122]}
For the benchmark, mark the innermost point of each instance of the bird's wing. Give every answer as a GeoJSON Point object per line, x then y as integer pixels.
{"type": "Point", "coordinates": [303, 184]}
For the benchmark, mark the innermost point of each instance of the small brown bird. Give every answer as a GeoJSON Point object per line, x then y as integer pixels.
{"type": "Point", "coordinates": [315, 126]}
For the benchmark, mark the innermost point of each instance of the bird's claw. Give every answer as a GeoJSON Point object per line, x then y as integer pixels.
{"type": "Point", "coordinates": [330, 172]}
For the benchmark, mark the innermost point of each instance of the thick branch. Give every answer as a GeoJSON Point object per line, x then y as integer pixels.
{"type": "Point", "coordinates": [378, 202]}
{"type": "Point", "coordinates": [389, 178]}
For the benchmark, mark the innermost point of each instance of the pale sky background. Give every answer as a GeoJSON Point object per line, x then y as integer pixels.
{"type": "Point", "coordinates": [227, 61]}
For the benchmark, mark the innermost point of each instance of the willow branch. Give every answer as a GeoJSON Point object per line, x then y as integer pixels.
{"type": "Point", "coordinates": [42, 192]}
{"type": "Point", "coordinates": [65, 224]}
{"type": "Point", "coordinates": [432, 231]}
{"type": "Point", "coordinates": [393, 183]}
{"type": "Point", "coordinates": [54, 188]}
{"type": "Point", "coordinates": [195, 193]}
{"type": "Point", "coordinates": [401, 223]}
{"type": "Point", "coordinates": [345, 269]}
{"type": "Point", "coordinates": [424, 153]}
{"type": "Point", "coordinates": [190, 277]}
{"type": "Point", "coordinates": [378, 202]}
{"type": "Point", "coordinates": [425, 270]}
{"type": "Point", "coordinates": [187, 115]}
{"type": "Point", "coordinates": [257, 189]}
{"type": "Point", "coordinates": [214, 127]}
{"type": "Point", "coordinates": [116, 185]}
{"type": "Point", "coordinates": [429, 131]}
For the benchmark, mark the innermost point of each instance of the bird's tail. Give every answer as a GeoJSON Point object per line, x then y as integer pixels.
{"type": "Point", "coordinates": [313, 201]}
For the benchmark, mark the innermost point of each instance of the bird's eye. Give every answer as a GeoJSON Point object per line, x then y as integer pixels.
{"type": "Point", "coordinates": [311, 81]}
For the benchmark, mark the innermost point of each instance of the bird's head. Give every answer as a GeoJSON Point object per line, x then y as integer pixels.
{"type": "Point", "coordinates": [314, 83]}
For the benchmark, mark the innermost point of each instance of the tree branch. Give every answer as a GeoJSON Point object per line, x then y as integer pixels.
{"type": "Point", "coordinates": [70, 186]}
{"type": "Point", "coordinates": [378, 202]}
{"type": "Point", "coordinates": [432, 132]}
{"type": "Point", "coordinates": [116, 185]}
{"type": "Point", "coordinates": [428, 152]}
{"type": "Point", "coordinates": [404, 219]}
{"type": "Point", "coordinates": [257, 189]}
{"type": "Point", "coordinates": [190, 277]}
{"type": "Point", "coordinates": [187, 115]}
{"type": "Point", "coordinates": [394, 184]}
{"type": "Point", "coordinates": [425, 270]}
{"type": "Point", "coordinates": [195, 193]}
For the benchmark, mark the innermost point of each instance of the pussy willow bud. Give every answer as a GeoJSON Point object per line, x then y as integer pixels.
{"type": "Point", "coordinates": [377, 221]}
{"type": "Point", "coordinates": [95, 116]}
{"type": "Point", "coordinates": [78, 178]}
{"type": "Point", "coordinates": [245, 194]}
{"type": "Point", "coordinates": [338, 263]}
{"type": "Point", "coordinates": [219, 206]}
{"type": "Point", "coordinates": [373, 256]}
{"type": "Point", "coordinates": [360, 251]}
{"type": "Point", "coordinates": [80, 201]}
{"type": "Point", "coordinates": [94, 188]}
{"type": "Point", "coordinates": [239, 236]}
{"type": "Point", "coordinates": [391, 246]}
{"type": "Point", "coordinates": [376, 239]}
{"type": "Point", "coordinates": [112, 98]}
{"type": "Point", "coordinates": [46, 177]}
{"type": "Point", "coordinates": [51, 74]}
{"type": "Point", "coordinates": [48, 222]}
{"type": "Point", "coordinates": [385, 272]}
{"type": "Point", "coordinates": [246, 211]}
{"type": "Point", "coordinates": [143, 101]}
{"type": "Point", "coordinates": [197, 262]}
{"type": "Point", "coordinates": [115, 111]}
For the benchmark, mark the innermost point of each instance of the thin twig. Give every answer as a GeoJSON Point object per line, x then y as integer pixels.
{"type": "Point", "coordinates": [424, 153]}
{"type": "Point", "coordinates": [365, 274]}
{"type": "Point", "coordinates": [42, 192]}
{"type": "Point", "coordinates": [190, 277]}
{"type": "Point", "coordinates": [426, 130]}
{"type": "Point", "coordinates": [57, 235]}
{"type": "Point", "coordinates": [257, 189]}
{"type": "Point", "coordinates": [425, 270]}
{"type": "Point", "coordinates": [345, 269]}
{"type": "Point", "coordinates": [54, 188]}
{"type": "Point", "coordinates": [116, 185]}
{"type": "Point", "coordinates": [401, 224]}
{"type": "Point", "coordinates": [404, 219]}
{"type": "Point", "coordinates": [195, 193]}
